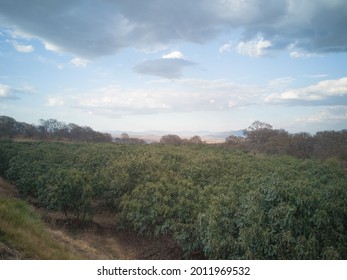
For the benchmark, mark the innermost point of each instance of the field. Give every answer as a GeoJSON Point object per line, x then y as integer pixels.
{"type": "Point", "coordinates": [212, 202]}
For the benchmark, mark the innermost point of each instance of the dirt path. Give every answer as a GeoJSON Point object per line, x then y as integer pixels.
{"type": "Point", "coordinates": [100, 240]}
{"type": "Point", "coordinates": [90, 246]}
{"type": "Point", "coordinates": [7, 190]}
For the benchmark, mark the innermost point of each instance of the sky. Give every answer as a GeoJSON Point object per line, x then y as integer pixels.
{"type": "Point", "coordinates": [214, 65]}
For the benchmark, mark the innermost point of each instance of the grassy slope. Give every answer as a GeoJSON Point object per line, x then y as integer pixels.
{"type": "Point", "coordinates": [22, 233]}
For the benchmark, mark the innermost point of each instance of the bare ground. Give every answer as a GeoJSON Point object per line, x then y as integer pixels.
{"type": "Point", "coordinates": [99, 239]}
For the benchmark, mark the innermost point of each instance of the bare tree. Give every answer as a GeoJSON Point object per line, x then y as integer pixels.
{"type": "Point", "coordinates": [171, 140]}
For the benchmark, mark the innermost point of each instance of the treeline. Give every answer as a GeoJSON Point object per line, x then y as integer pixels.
{"type": "Point", "coordinates": [260, 137]}
{"type": "Point", "coordinates": [51, 129]}
{"type": "Point", "coordinates": [126, 139]}
{"type": "Point", "coordinates": [175, 140]}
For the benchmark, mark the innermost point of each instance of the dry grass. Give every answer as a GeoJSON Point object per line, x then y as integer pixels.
{"type": "Point", "coordinates": [22, 231]}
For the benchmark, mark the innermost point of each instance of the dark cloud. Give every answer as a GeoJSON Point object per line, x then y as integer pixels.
{"type": "Point", "coordinates": [170, 68]}
{"type": "Point", "coordinates": [91, 28]}
{"type": "Point", "coordinates": [313, 26]}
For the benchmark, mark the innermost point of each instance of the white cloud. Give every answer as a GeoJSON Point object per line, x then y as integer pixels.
{"type": "Point", "coordinates": [254, 48]}
{"type": "Point", "coordinates": [23, 48]}
{"type": "Point", "coordinates": [279, 84]}
{"type": "Point", "coordinates": [168, 96]}
{"type": "Point", "coordinates": [298, 54]}
{"type": "Point", "coordinates": [18, 34]}
{"type": "Point", "coordinates": [54, 101]}
{"type": "Point", "coordinates": [121, 101]}
{"type": "Point", "coordinates": [79, 62]}
{"type": "Point", "coordinates": [51, 47]}
{"type": "Point", "coordinates": [332, 92]}
{"type": "Point", "coordinates": [19, 47]}
{"type": "Point", "coordinates": [9, 92]}
{"type": "Point", "coordinates": [174, 54]}
{"type": "Point", "coordinates": [225, 48]}
{"type": "Point", "coordinates": [4, 91]}
{"type": "Point", "coordinates": [318, 76]}
{"type": "Point", "coordinates": [328, 115]}
{"type": "Point", "coordinates": [198, 95]}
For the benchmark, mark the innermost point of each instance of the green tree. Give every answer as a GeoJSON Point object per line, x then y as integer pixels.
{"type": "Point", "coordinates": [69, 190]}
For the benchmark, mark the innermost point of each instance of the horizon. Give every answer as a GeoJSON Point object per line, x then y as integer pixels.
{"type": "Point", "coordinates": [179, 66]}
{"type": "Point", "coordinates": [181, 133]}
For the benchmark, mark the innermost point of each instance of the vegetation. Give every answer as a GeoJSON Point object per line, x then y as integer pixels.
{"type": "Point", "coordinates": [224, 202]}
{"type": "Point", "coordinates": [22, 235]}
{"type": "Point", "coordinates": [50, 130]}
{"type": "Point", "coordinates": [262, 138]}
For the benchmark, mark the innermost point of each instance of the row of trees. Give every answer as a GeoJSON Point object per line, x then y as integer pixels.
{"type": "Point", "coordinates": [261, 137]}
{"type": "Point", "coordinates": [172, 139]}
{"type": "Point", "coordinates": [126, 139]}
{"type": "Point", "coordinates": [50, 130]}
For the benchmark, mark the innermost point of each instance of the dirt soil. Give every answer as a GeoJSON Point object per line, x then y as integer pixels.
{"type": "Point", "coordinates": [7, 190]}
{"type": "Point", "coordinates": [99, 239]}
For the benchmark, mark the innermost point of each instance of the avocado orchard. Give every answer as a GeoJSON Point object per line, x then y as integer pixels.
{"type": "Point", "coordinates": [222, 202]}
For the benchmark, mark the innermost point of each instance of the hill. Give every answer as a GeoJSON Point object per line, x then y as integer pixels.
{"type": "Point", "coordinates": [154, 136]}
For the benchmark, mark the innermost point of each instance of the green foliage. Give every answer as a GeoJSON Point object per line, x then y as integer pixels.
{"type": "Point", "coordinates": [71, 194]}
{"type": "Point", "coordinates": [8, 150]}
{"type": "Point", "coordinates": [216, 200]}
{"type": "Point", "coordinates": [164, 208]}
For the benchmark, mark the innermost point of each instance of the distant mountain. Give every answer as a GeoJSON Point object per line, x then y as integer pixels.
{"type": "Point", "coordinates": [155, 135]}
{"type": "Point", "coordinates": [225, 134]}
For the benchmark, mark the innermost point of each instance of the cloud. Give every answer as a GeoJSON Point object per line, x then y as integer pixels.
{"type": "Point", "coordinates": [114, 100]}
{"type": "Point", "coordinates": [5, 91]}
{"type": "Point", "coordinates": [55, 101]}
{"type": "Point", "coordinates": [328, 92]}
{"type": "Point", "coordinates": [334, 118]}
{"type": "Point", "coordinates": [8, 92]}
{"type": "Point", "coordinates": [199, 95]}
{"type": "Point", "coordinates": [167, 96]}
{"type": "Point", "coordinates": [169, 68]}
{"type": "Point", "coordinates": [79, 62]}
{"type": "Point", "coordinates": [300, 54]}
{"type": "Point", "coordinates": [174, 54]}
{"type": "Point", "coordinates": [318, 76]}
{"type": "Point", "coordinates": [91, 28]}
{"type": "Point", "coordinates": [51, 47]}
{"type": "Point", "coordinates": [254, 48]}
{"type": "Point", "coordinates": [22, 48]}
{"type": "Point", "coordinates": [225, 48]}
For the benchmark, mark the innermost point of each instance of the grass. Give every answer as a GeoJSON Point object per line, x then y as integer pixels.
{"type": "Point", "coordinates": [23, 236]}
